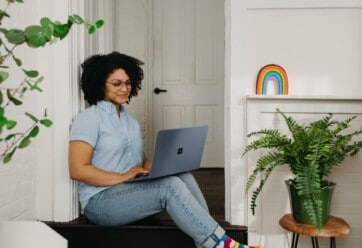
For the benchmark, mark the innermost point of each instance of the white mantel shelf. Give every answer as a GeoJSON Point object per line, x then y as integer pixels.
{"type": "Point", "coordinates": [304, 97]}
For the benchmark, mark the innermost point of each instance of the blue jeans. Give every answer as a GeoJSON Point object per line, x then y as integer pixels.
{"type": "Point", "coordinates": [179, 195]}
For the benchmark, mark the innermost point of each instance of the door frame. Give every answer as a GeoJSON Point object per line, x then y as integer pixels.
{"type": "Point", "coordinates": [227, 103]}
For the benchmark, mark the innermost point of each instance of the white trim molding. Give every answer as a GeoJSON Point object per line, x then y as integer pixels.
{"type": "Point", "coordinates": [68, 100]}
{"type": "Point", "coordinates": [227, 131]}
{"type": "Point", "coordinates": [294, 4]}
{"type": "Point", "coordinates": [62, 184]}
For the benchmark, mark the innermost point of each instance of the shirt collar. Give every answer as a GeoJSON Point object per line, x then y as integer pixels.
{"type": "Point", "coordinates": [109, 107]}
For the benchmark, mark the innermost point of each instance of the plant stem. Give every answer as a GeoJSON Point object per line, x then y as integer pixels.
{"type": "Point", "coordinates": [16, 140]}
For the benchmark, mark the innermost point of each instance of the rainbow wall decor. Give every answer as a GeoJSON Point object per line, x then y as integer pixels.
{"type": "Point", "coordinates": [272, 72]}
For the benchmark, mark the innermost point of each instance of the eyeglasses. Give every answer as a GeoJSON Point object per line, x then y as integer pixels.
{"type": "Point", "coordinates": [119, 84]}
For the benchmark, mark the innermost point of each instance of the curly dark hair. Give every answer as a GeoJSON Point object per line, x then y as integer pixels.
{"type": "Point", "coordinates": [97, 68]}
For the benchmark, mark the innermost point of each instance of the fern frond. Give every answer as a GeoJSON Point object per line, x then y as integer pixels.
{"type": "Point", "coordinates": [291, 123]}
{"type": "Point", "coordinates": [265, 166]}
{"type": "Point", "coordinates": [314, 210]}
{"type": "Point", "coordinates": [323, 123]}
{"type": "Point", "coordinates": [270, 140]}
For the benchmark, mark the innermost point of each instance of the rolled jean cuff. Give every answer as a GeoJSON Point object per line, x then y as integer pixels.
{"type": "Point", "coordinates": [214, 237]}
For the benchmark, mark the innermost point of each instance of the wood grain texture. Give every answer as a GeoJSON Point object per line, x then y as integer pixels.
{"type": "Point", "coordinates": [334, 227]}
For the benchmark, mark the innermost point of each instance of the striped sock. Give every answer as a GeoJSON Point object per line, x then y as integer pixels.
{"type": "Point", "coordinates": [227, 242]}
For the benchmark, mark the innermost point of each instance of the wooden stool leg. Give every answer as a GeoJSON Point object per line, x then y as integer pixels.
{"type": "Point", "coordinates": [295, 240]}
{"type": "Point", "coordinates": [333, 242]}
{"type": "Point", "coordinates": [315, 242]}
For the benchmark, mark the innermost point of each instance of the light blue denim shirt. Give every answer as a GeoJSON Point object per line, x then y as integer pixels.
{"type": "Point", "coordinates": [116, 141]}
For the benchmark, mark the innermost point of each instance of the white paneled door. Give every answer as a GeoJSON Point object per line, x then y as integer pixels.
{"type": "Point", "coordinates": [188, 75]}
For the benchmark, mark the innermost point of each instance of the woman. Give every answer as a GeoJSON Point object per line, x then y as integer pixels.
{"type": "Point", "coordinates": [106, 150]}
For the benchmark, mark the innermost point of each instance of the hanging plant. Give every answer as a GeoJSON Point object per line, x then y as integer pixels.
{"type": "Point", "coordinates": [33, 36]}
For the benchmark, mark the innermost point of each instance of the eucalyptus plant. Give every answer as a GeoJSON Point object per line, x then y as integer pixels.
{"type": "Point", "coordinates": [311, 151]}
{"type": "Point", "coordinates": [33, 36]}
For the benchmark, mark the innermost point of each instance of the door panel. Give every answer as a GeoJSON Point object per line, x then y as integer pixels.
{"type": "Point", "coordinates": [189, 63]}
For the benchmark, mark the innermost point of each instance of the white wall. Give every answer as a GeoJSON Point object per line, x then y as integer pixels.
{"type": "Point", "coordinates": [18, 186]}
{"type": "Point", "coordinates": [27, 183]}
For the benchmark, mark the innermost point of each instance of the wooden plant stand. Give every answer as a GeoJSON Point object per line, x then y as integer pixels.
{"type": "Point", "coordinates": [334, 227]}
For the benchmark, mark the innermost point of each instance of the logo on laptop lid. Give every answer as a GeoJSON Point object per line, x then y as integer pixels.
{"type": "Point", "coordinates": [180, 150]}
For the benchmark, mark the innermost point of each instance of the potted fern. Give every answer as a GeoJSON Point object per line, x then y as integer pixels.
{"type": "Point", "coordinates": [311, 151]}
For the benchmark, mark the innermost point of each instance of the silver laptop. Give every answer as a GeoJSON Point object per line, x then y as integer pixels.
{"type": "Point", "coordinates": [176, 151]}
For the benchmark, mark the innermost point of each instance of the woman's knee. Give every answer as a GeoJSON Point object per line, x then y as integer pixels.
{"type": "Point", "coordinates": [172, 182]}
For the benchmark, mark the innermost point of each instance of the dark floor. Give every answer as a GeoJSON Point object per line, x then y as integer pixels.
{"type": "Point", "coordinates": [212, 184]}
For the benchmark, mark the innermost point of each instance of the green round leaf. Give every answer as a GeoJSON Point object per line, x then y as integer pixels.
{"type": "Point", "coordinates": [3, 76]}
{"type": "Point", "coordinates": [47, 32]}
{"type": "Point", "coordinates": [75, 19]}
{"type": "Point", "coordinates": [45, 21]}
{"type": "Point", "coordinates": [10, 136]}
{"type": "Point", "coordinates": [32, 117]}
{"type": "Point", "coordinates": [31, 74]}
{"type": "Point", "coordinates": [11, 98]}
{"type": "Point", "coordinates": [46, 122]}
{"type": "Point", "coordinates": [47, 28]}
{"type": "Point", "coordinates": [34, 132]}
{"type": "Point", "coordinates": [35, 36]}
{"type": "Point", "coordinates": [17, 61]}
{"type": "Point", "coordinates": [91, 29]}
{"type": "Point", "coordinates": [25, 142]}
{"type": "Point", "coordinates": [99, 23]}
{"type": "Point", "coordinates": [8, 156]}
{"type": "Point", "coordinates": [79, 19]}
{"type": "Point", "coordinates": [36, 87]}
{"type": "Point", "coordinates": [39, 80]}
{"type": "Point", "coordinates": [3, 120]}
{"type": "Point", "coordinates": [32, 30]}
{"type": "Point", "coordinates": [61, 30]}
{"type": "Point", "coordinates": [10, 124]}
{"type": "Point", "coordinates": [15, 36]}
{"type": "Point", "coordinates": [36, 42]}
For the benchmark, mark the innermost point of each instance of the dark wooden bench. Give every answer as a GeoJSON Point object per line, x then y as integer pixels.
{"type": "Point", "coordinates": [158, 232]}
